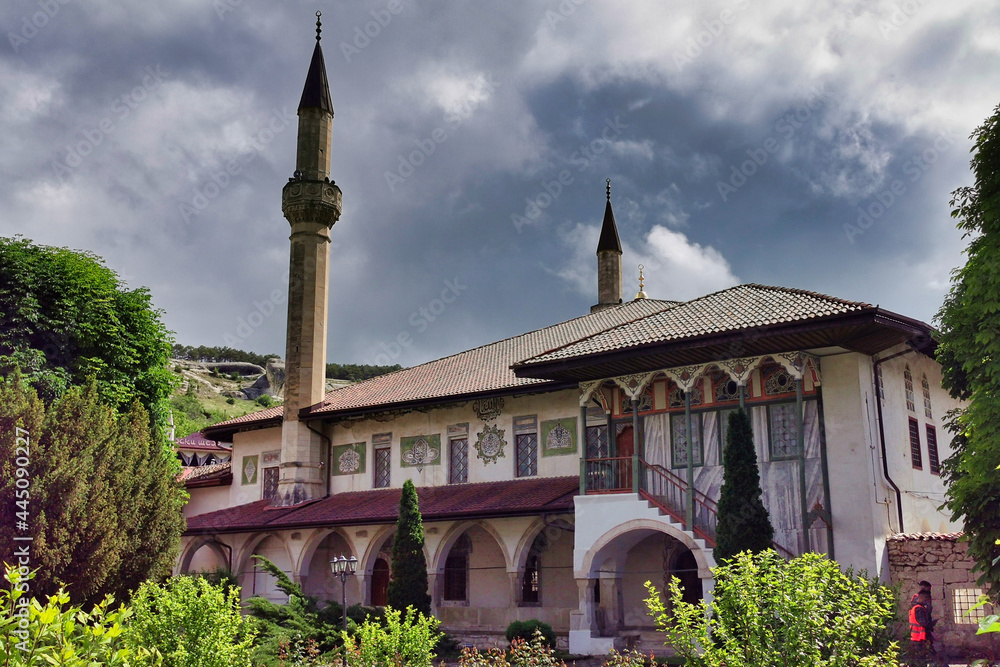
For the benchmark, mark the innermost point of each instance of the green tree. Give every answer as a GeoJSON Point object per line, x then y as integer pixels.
{"type": "Point", "coordinates": [102, 505]}
{"type": "Point", "coordinates": [66, 317]}
{"type": "Point", "coordinates": [408, 586]}
{"type": "Point", "coordinates": [969, 353]}
{"type": "Point", "coordinates": [766, 611]}
{"type": "Point", "coordinates": [743, 523]}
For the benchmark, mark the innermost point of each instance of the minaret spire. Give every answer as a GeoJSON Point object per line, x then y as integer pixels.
{"type": "Point", "coordinates": [311, 202]}
{"type": "Point", "coordinates": [609, 260]}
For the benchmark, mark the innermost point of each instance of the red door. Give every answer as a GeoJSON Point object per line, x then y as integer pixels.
{"type": "Point", "coordinates": [625, 448]}
{"type": "Point", "coordinates": [380, 583]}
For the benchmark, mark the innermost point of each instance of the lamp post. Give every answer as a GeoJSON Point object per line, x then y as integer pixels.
{"type": "Point", "coordinates": [343, 568]}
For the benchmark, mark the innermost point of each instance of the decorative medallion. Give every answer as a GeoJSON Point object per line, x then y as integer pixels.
{"type": "Point", "coordinates": [488, 409]}
{"type": "Point", "coordinates": [349, 459]}
{"type": "Point", "coordinates": [271, 457]}
{"type": "Point", "coordinates": [559, 437]}
{"type": "Point", "coordinates": [249, 470]}
{"type": "Point", "coordinates": [420, 450]}
{"type": "Point", "coordinates": [489, 446]}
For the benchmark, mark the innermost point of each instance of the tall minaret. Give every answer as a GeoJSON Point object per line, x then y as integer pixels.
{"type": "Point", "coordinates": [609, 261]}
{"type": "Point", "coordinates": [311, 202]}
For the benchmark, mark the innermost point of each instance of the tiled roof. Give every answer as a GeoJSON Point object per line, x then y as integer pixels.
{"type": "Point", "coordinates": [381, 506]}
{"type": "Point", "coordinates": [733, 309]}
{"type": "Point", "coordinates": [925, 537]}
{"type": "Point", "coordinates": [216, 471]}
{"type": "Point", "coordinates": [482, 369]}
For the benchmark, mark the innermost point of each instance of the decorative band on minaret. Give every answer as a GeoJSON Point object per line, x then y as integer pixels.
{"type": "Point", "coordinates": [311, 202]}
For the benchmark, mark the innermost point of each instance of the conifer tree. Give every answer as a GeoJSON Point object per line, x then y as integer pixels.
{"type": "Point", "coordinates": [408, 586]}
{"type": "Point", "coordinates": [103, 507]}
{"type": "Point", "coordinates": [743, 521]}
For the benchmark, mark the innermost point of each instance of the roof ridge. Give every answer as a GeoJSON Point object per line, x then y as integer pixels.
{"type": "Point", "coordinates": [818, 295]}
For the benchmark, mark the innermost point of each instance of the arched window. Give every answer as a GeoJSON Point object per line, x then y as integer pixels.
{"type": "Point", "coordinates": [927, 397]}
{"type": "Point", "coordinates": [908, 383]}
{"type": "Point", "coordinates": [456, 571]}
{"type": "Point", "coordinates": [530, 584]}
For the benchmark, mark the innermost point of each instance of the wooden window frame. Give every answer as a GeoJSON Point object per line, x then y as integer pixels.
{"type": "Point", "coordinates": [916, 456]}
{"type": "Point", "coordinates": [933, 460]}
{"type": "Point", "coordinates": [375, 468]}
{"type": "Point", "coordinates": [451, 460]}
{"type": "Point", "coordinates": [697, 422]}
{"type": "Point", "coordinates": [770, 433]}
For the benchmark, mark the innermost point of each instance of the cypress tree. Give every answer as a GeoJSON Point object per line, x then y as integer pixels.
{"type": "Point", "coordinates": [408, 586]}
{"type": "Point", "coordinates": [743, 522]}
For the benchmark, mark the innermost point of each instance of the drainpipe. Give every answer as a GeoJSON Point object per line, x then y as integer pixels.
{"type": "Point", "coordinates": [824, 462]}
{"type": "Point", "coordinates": [329, 456]}
{"type": "Point", "coordinates": [881, 433]}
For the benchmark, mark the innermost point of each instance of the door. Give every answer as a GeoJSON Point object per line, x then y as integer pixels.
{"type": "Point", "coordinates": [625, 443]}
{"type": "Point", "coordinates": [380, 583]}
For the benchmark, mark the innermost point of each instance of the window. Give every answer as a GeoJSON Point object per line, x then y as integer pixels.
{"type": "Point", "coordinates": [456, 571]}
{"type": "Point", "coordinates": [527, 455]}
{"type": "Point", "coordinates": [726, 389]}
{"type": "Point", "coordinates": [645, 402]}
{"type": "Point", "coordinates": [779, 381]}
{"type": "Point", "coordinates": [270, 483]}
{"type": "Point", "coordinates": [783, 428]}
{"type": "Point", "coordinates": [724, 427]}
{"type": "Point", "coordinates": [927, 397]}
{"type": "Point", "coordinates": [964, 601]}
{"type": "Point", "coordinates": [383, 465]}
{"type": "Point", "coordinates": [597, 442]}
{"type": "Point", "coordinates": [530, 585]}
{"type": "Point", "coordinates": [915, 457]}
{"type": "Point", "coordinates": [675, 397]}
{"type": "Point", "coordinates": [678, 441]}
{"type": "Point", "coordinates": [932, 451]}
{"type": "Point", "coordinates": [908, 384]}
{"type": "Point", "coordinates": [458, 466]}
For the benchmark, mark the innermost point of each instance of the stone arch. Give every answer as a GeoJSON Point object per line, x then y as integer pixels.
{"type": "Point", "coordinates": [366, 561]}
{"type": "Point", "coordinates": [317, 537]}
{"type": "Point", "coordinates": [527, 540]}
{"type": "Point", "coordinates": [456, 531]}
{"type": "Point", "coordinates": [221, 550]}
{"type": "Point", "coordinates": [489, 578]}
{"type": "Point", "coordinates": [244, 560]}
{"type": "Point", "coordinates": [315, 576]}
{"type": "Point", "coordinates": [642, 529]}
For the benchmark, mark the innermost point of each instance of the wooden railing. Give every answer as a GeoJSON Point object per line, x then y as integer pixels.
{"type": "Point", "coordinates": [612, 475]}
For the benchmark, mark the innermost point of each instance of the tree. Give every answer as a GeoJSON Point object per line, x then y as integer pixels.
{"type": "Point", "coordinates": [969, 353]}
{"type": "Point", "coordinates": [743, 523]}
{"type": "Point", "coordinates": [65, 317]}
{"type": "Point", "coordinates": [102, 504]}
{"type": "Point", "coordinates": [766, 611]}
{"type": "Point", "coordinates": [408, 586]}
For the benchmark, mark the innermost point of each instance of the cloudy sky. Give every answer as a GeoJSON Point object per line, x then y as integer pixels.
{"type": "Point", "coordinates": [806, 144]}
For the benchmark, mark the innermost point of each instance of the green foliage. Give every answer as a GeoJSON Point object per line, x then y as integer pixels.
{"type": "Point", "coordinates": [206, 354]}
{"type": "Point", "coordinates": [408, 586]}
{"type": "Point", "coordinates": [66, 317]}
{"type": "Point", "coordinates": [192, 623]}
{"type": "Point", "coordinates": [399, 640]}
{"type": "Point", "coordinates": [969, 353]}
{"type": "Point", "coordinates": [743, 522]}
{"type": "Point", "coordinates": [103, 507]}
{"type": "Point", "coordinates": [526, 630]}
{"type": "Point", "coordinates": [766, 611]}
{"type": "Point", "coordinates": [629, 659]}
{"type": "Point", "coordinates": [300, 620]}
{"type": "Point", "coordinates": [33, 634]}
{"type": "Point", "coordinates": [265, 401]}
{"type": "Point", "coordinates": [522, 653]}
{"type": "Point", "coordinates": [358, 372]}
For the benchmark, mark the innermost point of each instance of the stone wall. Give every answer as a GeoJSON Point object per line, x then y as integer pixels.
{"type": "Point", "coordinates": [943, 561]}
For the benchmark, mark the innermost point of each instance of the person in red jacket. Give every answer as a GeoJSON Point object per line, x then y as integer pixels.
{"type": "Point", "coordinates": [921, 628]}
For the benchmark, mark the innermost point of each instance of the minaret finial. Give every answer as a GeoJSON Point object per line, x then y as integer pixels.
{"type": "Point", "coordinates": [319, 25]}
{"type": "Point", "coordinates": [609, 189]}
{"type": "Point", "coordinates": [642, 292]}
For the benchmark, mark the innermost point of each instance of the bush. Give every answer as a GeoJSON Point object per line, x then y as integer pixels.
{"type": "Point", "coordinates": [522, 653]}
{"type": "Point", "coordinates": [265, 401]}
{"type": "Point", "coordinates": [231, 401]}
{"type": "Point", "coordinates": [766, 611]}
{"type": "Point", "coordinates": [192, 622]}
{"type": "Point", "coordinates": [526, 630]}
{"type": "Point", "coordinates": [401, 640]}
{"type": "Point", "coordinates": [53, 634]}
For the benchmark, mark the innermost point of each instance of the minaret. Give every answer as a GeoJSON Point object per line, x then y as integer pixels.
{"type": "Point", "coordinates": [609, 261]}
{"type": "Point", "coordinates": [311, 202]}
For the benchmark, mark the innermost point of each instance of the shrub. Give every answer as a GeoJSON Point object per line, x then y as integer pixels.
{"type": "Point", "coordinates": [401, 640]}
{"type": "Point", "coordinates": [192, 622]}
{"type": "Point", "coordinates": [53, 634]}
{"type": "Point", "coordinates": [265, 401]}
{"type": "Point", "coordinates": [766, 611]}
{"type": "Point", "coordinates": [526, 630]}
{"type": "Point", "coordinates": [231, 401]}
{"type": "Point", "coordinates": [408, 585]}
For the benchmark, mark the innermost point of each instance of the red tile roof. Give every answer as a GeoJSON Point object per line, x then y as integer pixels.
{"type": "Point", "coordinates": [733, 309]}
{"type": "Point", "coordinates": [925, 537]}
{"type": "Point", "coordinates": [380, 506]}
{"type": "Point", "coordinates": [217, 473]}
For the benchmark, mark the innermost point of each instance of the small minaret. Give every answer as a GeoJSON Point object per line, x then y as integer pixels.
{"type": "Point", "coordinates": [311, 202]}
{"type": "Point", "coordinates": [609, 261]}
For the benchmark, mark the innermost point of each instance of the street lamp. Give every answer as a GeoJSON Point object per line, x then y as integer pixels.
{"type": "Point", "coordinates": [344, 568]}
